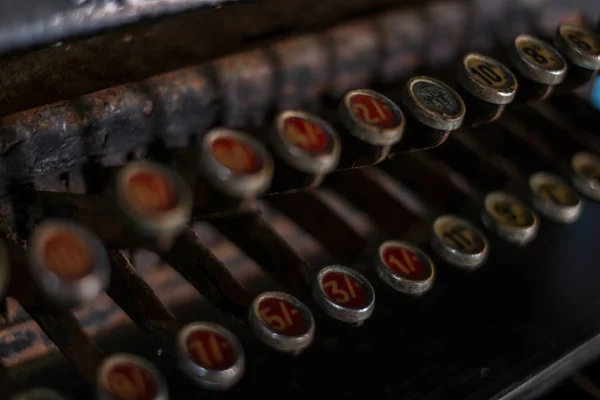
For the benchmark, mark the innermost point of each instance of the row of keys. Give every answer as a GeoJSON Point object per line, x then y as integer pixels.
{"type": "Point", "coordinates": [156, 201]}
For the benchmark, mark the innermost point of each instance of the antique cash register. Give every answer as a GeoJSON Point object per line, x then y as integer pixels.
{"type": "Point", "coordinates": [297, 199]}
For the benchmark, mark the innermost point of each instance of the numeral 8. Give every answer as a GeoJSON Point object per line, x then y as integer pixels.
{"type": "Point", "coordinates": [533, 53]}
{"type": "Point", "coordinates": [578, 41]}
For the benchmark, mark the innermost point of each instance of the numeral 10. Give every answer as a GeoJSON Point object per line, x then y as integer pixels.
{"type": "Point", "coordinates": [487, 74]}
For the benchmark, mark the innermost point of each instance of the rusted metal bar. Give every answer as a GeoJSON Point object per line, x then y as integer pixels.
{"type": "Point", "coordinates": [60, 326]}
{"type": "Point", "coordinates": [523, 154]}
{"type": "Point", "coordinates": [364, 192]}
{"type": "Point", "coordinates": [473, 163]}
{"type": "Point", "coordinates": [137, 299]}
{"type": "Point", "coordinates": [98, 215]}
{"type": "Point", "coordinates": [252, 234]}
{"type": "Point", "coordinates": [176, 104]}
{"type": "Point", "coordinates": [313, 215]}
{"type": "Point", "coordinates": [200, 267]}
{"type": "Point", "coordinates": [430, 179]}
{"type": "Point", "coordinates": [579, 111]}
{"type": "Point", "coordinates": [564, 141]}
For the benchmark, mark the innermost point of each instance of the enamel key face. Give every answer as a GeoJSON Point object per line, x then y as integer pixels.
{"type": "Point", "coordinates": [405, 267]}
{"type": "Point", "coordinates": [344, 294]}
{"type": "Point", "coordinates": [537, 60]}
{"type": "Point", "coordinates": [459, 242]}
{"type": "Point", "coordinates": [487, 79]}
{"type": "Point", "coordinates": [579, 45]}
{"type": "Point", "coordinates": [210, 355]}
{"type": "Point", "coordinates": [510, 218]}
{"type": "Point", "coordinates": [306, 142]}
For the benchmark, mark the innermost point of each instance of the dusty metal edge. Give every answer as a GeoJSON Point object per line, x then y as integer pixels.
{"type": "Point", "coordinates": [543, 381]}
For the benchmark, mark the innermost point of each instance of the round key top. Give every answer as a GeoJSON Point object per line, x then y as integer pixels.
{"type": "Point", "coordinates": [586, 177]}
{"type": "Point", "coordinates": [510, 218]}
{"type": "Point", "coordinates": [306, 142]}
{"type": "Point", "coordinates": [210, 355]}
{"type": "Point", "coordinates": [344, 294]}
{"type": "Point", "coordinates": [282, 322]}
{"type": "Point", "coordinates": [153, 198]}
{"type": "Point", "coordinates": [459, 242]}
{"type": "Point", "coordinates": [405, 267]}
{"type": "Point", "coordinates": [487, 79]}
{"type": "Point", "coordinates": [128, 377]}
{"type": "Point", "coordinates": [554, 198]}
{"type": "Point", "coordinates": [579, 45]}
{"type": "Point", "coordinates": [235, 163]}
{"type": "Point", "coordinates": [433, 103]}
{"type": "Point", "coordinates": [68, 262]}
{"type": "Point", "coordinates": [537, 60]}
{"type": "Point", "coordinates": [371, 117]}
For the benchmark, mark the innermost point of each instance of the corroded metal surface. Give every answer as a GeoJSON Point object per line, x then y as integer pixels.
{"type": "Point", "coordinates": [240, 89]}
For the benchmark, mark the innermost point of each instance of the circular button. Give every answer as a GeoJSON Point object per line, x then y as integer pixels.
{"type": "Point", "coordinates": [405, 267]}
{"type": "Point", "coordinates": [510, 218]}
{"type": "Point", "coordinates": [235, 163]}
{"type": "Point", "coordinates": [282, 322]}
{"type": "Point", "coordinates": [306, 142]}
{"type": "Point", "coordinates": [434, 103]}
{"type": "Point", "coordinates": [210, 355]}
{"type": "Point", "coordinates": [68, 262]}
{"type": "Point", "coordinates": [372, 117]}
{"type": "Point", "coordinates": [586, 177]}
{"type": "Point", "coordinates": [459, 242]}
{"type": "Point", "coordinates": [344, 294]}
{"type": "Point", "coordinates": [537, 60]}
{"type": "Point", "coordinates": [554, 198]}
{"type": "Point", "coordinates": [128, 377]}
{"type": "Point", "coordinates": [487, 79]}
{"type": "Point", "coordinates": [39, 394]}
{"type": "Point", "coordinates": [579, 45]}
{"type": "Point", "coordinates": [154, 199]}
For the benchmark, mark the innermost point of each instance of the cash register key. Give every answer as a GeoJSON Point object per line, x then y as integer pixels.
{"type": "Point", "coordinates": [68, 262]}
{"type": "Point", "coordinates": [553, 197]}
{"type": "Point", "coordinates": [235, 163]}
{"type": "Point", "coordinates": [306, 142]}
{"type": "Point", "coordinates": [344, 294]}
{"type": "Point", "coordinates": [129, 377]}
{"type": "Point", "coordinates": [586, 176]}
{"type": "Point", "coordinates": [487, 79]}
{"type": "Point", "coordinates": [210, 355]}
{"type": "Point", "coordinates": [459, 243]}
{"type": "Point", "coordinates": [4, 268]}
{"type": "Point", "coordinates": [404, 267]}
{"type": "Point", "coordinates": [39, 394]}
{"type": "Point", "coordinates": [153, 198]}
{"type": "Point", "coordinates": [282, 322]}
{"type": "Point", "coordinates": [372, 117]}
{"type": "Point", "coordinates": [433, 103]}
{"type": "Point", "coordinates": [510, 218]}
{"type": "Point", "coordinates": [579, 45]}
{"type": "Point", "coordinates": [537, 60]}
